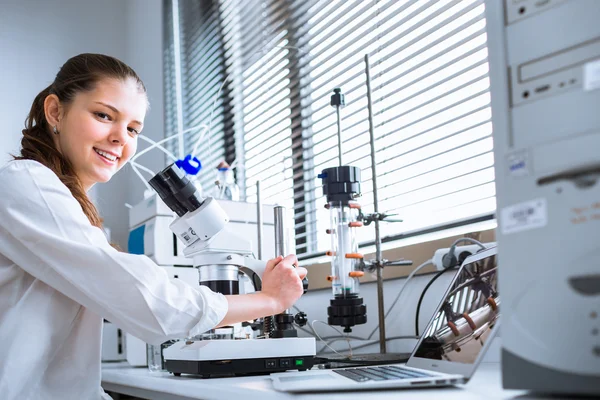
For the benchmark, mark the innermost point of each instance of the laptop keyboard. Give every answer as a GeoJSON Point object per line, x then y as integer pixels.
{"type": "Point", "coordinates": [385, 373]}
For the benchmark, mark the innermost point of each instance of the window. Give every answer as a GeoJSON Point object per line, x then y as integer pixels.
{"type": "Point", "coordinates": [282, 60]}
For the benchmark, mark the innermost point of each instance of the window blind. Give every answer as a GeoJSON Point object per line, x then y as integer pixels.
{"type": "Point", "coordinates": [193, 34]}
{"type": "Point", "coordinates": [431, 105]}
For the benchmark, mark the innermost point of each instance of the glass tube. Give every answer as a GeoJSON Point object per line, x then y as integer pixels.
{"type": "Point", "coordinates": [344, 251]}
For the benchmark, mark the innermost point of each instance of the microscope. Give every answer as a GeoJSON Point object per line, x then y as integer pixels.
{"type": "Point", "coordinates": [220, 254]}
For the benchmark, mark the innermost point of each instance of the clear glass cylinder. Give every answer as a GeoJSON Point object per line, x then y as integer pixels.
{"type": "Point", "coordinates": [154, 357]}
{"type": "Point", "coordinates": [344, 250]}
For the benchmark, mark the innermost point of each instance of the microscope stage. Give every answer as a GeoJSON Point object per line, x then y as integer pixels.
{"type": "Point", "coordinates": [220, 357]}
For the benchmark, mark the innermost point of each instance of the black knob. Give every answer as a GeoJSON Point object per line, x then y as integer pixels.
{"type": "Point", "coordinates": [337, 98]}
{"type": "Point", "coordinates": [300, 319]}
{"type": "Point", "coordinates": [305, 284]}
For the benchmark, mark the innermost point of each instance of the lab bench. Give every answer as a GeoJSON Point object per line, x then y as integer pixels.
{"type": "Point", "coordinates": [140, 382]}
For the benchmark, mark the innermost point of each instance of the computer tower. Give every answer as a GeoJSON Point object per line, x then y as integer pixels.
{"type": "Point", "coordinates": [544, 60]}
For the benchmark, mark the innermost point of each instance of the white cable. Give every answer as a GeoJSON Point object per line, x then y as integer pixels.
{"type": "Point", "coordinates": [147, 149]}
{"type": "Point", "coordinates": [138, 165]}
{"type": "Point", "coordinates": [216, 98]}
{"type": "Point", "coordinates": [205, 129]}
{"type": "Point", "coordinates": [214, 106]}
{"type": "Point", "coordinates": [470, 240]}
{"type": "Point", "coordinates": [193, 128]}
{"type": "Point", "coordinates": [157, 144]}
{"type": "Point", "coordinates": [152, 142]}
{"type": "Point", "coordinates": [408, 278]}
{"type": "Point", "coordinates": [137, 172]}
{"type": "Point", "coordinates": [327, 344]}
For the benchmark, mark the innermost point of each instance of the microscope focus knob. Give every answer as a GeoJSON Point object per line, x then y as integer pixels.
{"type": "Point", "coordinates": [305, 284]}
{"type": "Point", "coordinates": [300, 318]}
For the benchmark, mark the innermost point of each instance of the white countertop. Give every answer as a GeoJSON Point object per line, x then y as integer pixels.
{"type": "Point", "coordinates": [121, 378]}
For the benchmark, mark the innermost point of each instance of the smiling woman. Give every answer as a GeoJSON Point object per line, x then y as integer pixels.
{"type": "Point", "coordinates": [59, 276]}
{"type": "Point", "coordinates": [97, 130]}
{"type": "Point", "coordinates": [95, 108]}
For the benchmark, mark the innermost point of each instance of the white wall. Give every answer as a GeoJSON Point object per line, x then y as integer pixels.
{"type": "Point", "coordinates": [143, 52]}
{"type": "Point", "coordinates": [37, 37]}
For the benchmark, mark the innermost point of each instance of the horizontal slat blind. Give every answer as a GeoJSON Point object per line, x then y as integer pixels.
{"type": "Point", "coordinates": [431, 109]}
{"type": "Point", "coordinates": [258, 64]}
{"type": "Point", "coordinates": [283, 59]}
{"type": "Point", "coordinates": [170, 84]}
{"type": "Point", "coordinates": [202, 72]}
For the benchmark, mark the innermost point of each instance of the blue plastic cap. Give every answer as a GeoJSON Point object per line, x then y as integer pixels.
{"type": "Point", "coordinates": [322, 176]}
{"type": "Point", "coordinates": [191, 165]}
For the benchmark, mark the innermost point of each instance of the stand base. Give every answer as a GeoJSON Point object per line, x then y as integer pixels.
{"type": "Point", "coordinates": [225, 368]}
{"type": "Point", "coordinates": [219, 358]}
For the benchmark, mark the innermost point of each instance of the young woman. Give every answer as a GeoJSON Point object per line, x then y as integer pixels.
{"type": "Point", "coordinates": [59, 277]}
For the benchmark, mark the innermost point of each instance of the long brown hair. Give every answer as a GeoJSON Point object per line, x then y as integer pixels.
{"type": "Point", "coordinates": [79, 74]}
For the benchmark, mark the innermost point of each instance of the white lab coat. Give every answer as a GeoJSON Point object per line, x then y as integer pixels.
{"type": "Point", "coordinates": [59, 277]}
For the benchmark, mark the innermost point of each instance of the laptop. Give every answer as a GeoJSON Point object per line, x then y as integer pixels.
{"type": "Point", "coordinates": [448, 352]}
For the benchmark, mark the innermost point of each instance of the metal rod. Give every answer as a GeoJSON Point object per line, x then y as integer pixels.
{"type": "Point", "coordinates": [279, 212]}
{"type": "Point", "coordinates": [178, 80]}
{"type": "Point", "coordinates": [259, 220]}
{"type": "Point", "coordinates": [280, 244]}
{"type": "Point", "coordinates": [378, 255]}
{"type": "Point", "coordinates": [339, 134]}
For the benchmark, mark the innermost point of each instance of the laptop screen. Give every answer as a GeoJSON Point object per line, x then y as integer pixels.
{"type": "Point", "coordinates": [461, 326]}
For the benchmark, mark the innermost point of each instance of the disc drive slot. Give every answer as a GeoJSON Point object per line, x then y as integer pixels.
{"type": "Point", "coordinates": [552, 74]}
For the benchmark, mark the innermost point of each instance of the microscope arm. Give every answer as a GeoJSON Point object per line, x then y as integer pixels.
{"type": "Point", "coordinates": [254, 269]}
{"type": "Point", "coordinates": [256, 266]}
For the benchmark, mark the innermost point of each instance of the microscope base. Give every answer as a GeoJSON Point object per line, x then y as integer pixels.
{"type": "Point", "coordinates": [217, 358]}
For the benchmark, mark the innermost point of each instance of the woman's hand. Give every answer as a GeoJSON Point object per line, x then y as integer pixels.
{"type": "Point", "coordinates": [281, 287]}
{"type": "Point", "coordinates": [282, 282]}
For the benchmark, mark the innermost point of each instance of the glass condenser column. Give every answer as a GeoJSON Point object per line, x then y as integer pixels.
{"type": "Point", "coordinates": [341, 185]}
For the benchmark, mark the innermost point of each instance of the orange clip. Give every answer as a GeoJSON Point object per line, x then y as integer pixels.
{"type": "Point", "coordinates": [355, 224]}
{"type": "Point", "coordinates": [331, 278]}
{"type": "Point", "coordinates": [356, 274]}
{"type": "Point", "coordinates": [469, 321]}
{"type": "Point", "coordinates": [330, 253]}
{"type": "Point", "coordinates": [354, 255]}
{"type": "Point", "coordinates": [354, 204]}
{"type": "Point", "coordinates": [329, 231]}
{"type": "Point", "coordinates": [327, 206]}
{"type": "Point", "coordinates": [492, 303]}
{"type": "Point", "coordinates": [453, 328]}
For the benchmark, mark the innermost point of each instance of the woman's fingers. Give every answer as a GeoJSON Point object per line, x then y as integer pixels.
{"type": "Point", "coordinates": [282, 281]}
{"type": "Point", "coordinates": [290, 260]}
{"type": "Point", "coordinates": [302, 272]}
{"type": "Point", "coordinates": [273, 262]}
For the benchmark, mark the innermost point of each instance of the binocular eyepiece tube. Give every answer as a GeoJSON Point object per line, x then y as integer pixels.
{"type": "Point", "coordinates": [176, 190]}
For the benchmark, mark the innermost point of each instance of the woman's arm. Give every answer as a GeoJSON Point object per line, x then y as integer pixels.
{"type": "Point", "coordinates": [44, 231]}
{"type": "Point", "coordinates": [281, 288]}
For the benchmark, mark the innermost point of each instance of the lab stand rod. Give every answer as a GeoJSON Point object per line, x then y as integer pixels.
{"type": "Point", "coordinates": [378, 255]}
{"type": "Point", "coordinates": [280, 245]}
{"type": "Point", "coordinates": [259, 220]}
{"type": "Point", "coordinates": [339, 134]}
{"type": "Point", "coordinates": [178, 79]}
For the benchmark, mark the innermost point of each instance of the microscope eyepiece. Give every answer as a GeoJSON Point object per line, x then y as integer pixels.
{"type": "Point", "coordinates": [165, 194]}
{"type": "Point", "coordinates": [176, 190]}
